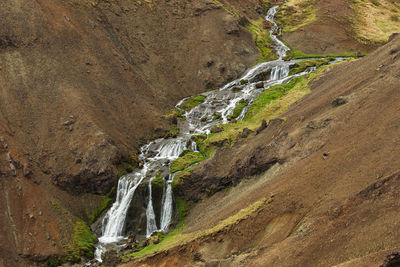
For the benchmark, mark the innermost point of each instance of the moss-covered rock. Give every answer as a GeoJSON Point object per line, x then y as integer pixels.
{"type": "Point", "coordinates": [303, 65]}
{"type": "Point", "coordinates": [82, 244]}
{"type": "Point", "coordinates": [186, 161]}
{"type": "Point", "coordinates": [192, 102]}
{"type": "Point", "coordinates": [238, 109]}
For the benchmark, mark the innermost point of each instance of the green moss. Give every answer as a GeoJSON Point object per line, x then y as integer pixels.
{"type": "Point", "coordinates": [55, 205]}
{"type": "Point", "coordinates": [303, 65]}
{"type": "Point", "coordinates": [299, 55]}
{"type": "Point", "coordinates": [82, 243]}
{"type": "Point", "coordinates": [267, 96]}
{"type": "Point", "coordinates": [105, 203]}
{"type": "Point", "coordinates": [262, 39]}
{"type": "Point", "coordinates": [174, 113]}
{"type": "Point", "coordinates": [238, 109]}
{"type": "Point", "coordinates": [181, 176]}
{"type": "Point", "coordinates": [243, 81]}
{"type": "Point", "coordinates": [216, 117]}
{"type": "Point", "coordinates": [173, 132]}
{"type": "Point", "coordinates": [186, 160]}
{"type": "Point", "coordinates": [192, 102]}
{"type": "Point", "coordinates": [158, 182]}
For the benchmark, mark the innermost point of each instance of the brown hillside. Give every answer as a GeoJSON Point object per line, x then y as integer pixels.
{"type": "Point", "coordinates": [332, 199]}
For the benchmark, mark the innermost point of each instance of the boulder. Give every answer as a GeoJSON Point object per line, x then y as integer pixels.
{"type": "Point", "coordinates": [392, 260]}
{"type": "Point", "coordinates": [339, 101]}
{"type": "Point", "coordinates": [262, 127]}
{"type": "Point", "coordinates": [260, 85]}
{"type": "Point", "coordinates": [111, 258]}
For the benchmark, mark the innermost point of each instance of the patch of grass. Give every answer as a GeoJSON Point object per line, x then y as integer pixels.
{"type": "Point", "coordinates": [192, 102]}
{"type": "Point", "coordinates": [238, 109]}
{"type": "Point", "coordinates": [262, 39]}
{"type": "Point", "coordinates": [303, 65]}
{"type": "Point", "coordinates": [177, 237]}
{"type": "Point", "coordinates": [300, 55]}
{"type": "Point", "coordinates": [296, 14]}
{"type": "Point", "coordinates": [82, 243]}
{"type": "Point", "coordinates": [186, 160]}
{"type": "Point", "coordinates": [376, 28]}
{"type": "Point", "coordinates": [227, 9]}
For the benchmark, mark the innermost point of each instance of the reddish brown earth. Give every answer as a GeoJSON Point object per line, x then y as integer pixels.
{"type": "Point", "coordinates": [83, 85]}
{"type": "Point", "coordinates": [339, 209]}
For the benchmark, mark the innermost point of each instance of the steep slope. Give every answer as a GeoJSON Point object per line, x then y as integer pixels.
{"type": "Point", "coordinates": [338, 27]}
{"type": "Point", "coordinates": [331, 199]}
{"type": "Point", "coordinates": [83, 84]}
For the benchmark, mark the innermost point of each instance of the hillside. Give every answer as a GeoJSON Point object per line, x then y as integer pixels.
{"type": "Point", "coordinates": [331, 199]}
{"type": "Point", "coordinates": [85, 84]}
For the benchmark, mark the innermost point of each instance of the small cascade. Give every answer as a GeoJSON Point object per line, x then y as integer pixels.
{"type": "Point", "coordinates": [280, 47]}
{"type": "Point", "coordinates": [151, 225]}
{"type": "Point", "coordinates": [167, 207]}
{"type": "Point", "coordinates": [114, 221]}
{"type": "Point", "coordinates": [279, 72]}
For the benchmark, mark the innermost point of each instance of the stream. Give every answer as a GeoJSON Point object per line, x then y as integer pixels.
{"type": "Point", "coordinates": [159, 154]}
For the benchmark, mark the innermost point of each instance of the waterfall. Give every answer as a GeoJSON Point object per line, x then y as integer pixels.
{"type": "Point", "coordinates": [159, 154]}
{"type": "Point", "coordinates": [151, 225]}
{"type": "Point", "coordinates": [114, 221]}
{"type": "Point", "coordinates": [279, 72]}
{"type": "Point", "coordinates": [167, 208]}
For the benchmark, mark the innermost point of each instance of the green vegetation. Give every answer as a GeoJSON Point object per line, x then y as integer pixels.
{"type": "Point", "coordinates": [128, 165]}
{"type": "Point", "coordinates": [106, 201]}
{"type": "Point", "coordinates": [179, 238]}
{"type": "Point", "coordinates": [216, 117]}
{"type": "Point", "coordinates": [181, 176]}
{"type": "Point", "coordinates": [262, 39]}
{"type": "Point", "coordinates": [82, 243]}
{"type": "Point", "coordinates": [158, 182]}
{"type": "Point", "coordinates": [300, 55]}
{"type": "Point", "coordinates": [243, 81]}
{"type": "Point", "coordinates": [173, 132]}
{"type": "Point", "coordinates": [296, 14]}
{"type": "Point", "coordinates": [173, 113]}
{"type": "Point", "coordinates": [381, 22]}
{"type": "Point", "coordinates": [55, 205]}
{"type": "Point", "coordinates": [238, 109]}
{"type": "Point", "coordinates": [303, 65]}
{"type": "Point", "coordinates": [192, 102]}
{"type": "Point", "coordinates": [186, 161]}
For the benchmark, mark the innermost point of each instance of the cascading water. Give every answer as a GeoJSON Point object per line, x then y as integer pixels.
{"type": "Point", "coordinates": [151, 225]}
{"type": "Point", "coordinates": [167, 209]}
{"type": "Point", "coordinates": [159, 154]}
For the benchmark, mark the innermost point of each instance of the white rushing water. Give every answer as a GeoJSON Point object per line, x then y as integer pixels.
{"type": "Point", "coordinates": [159, 154]}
